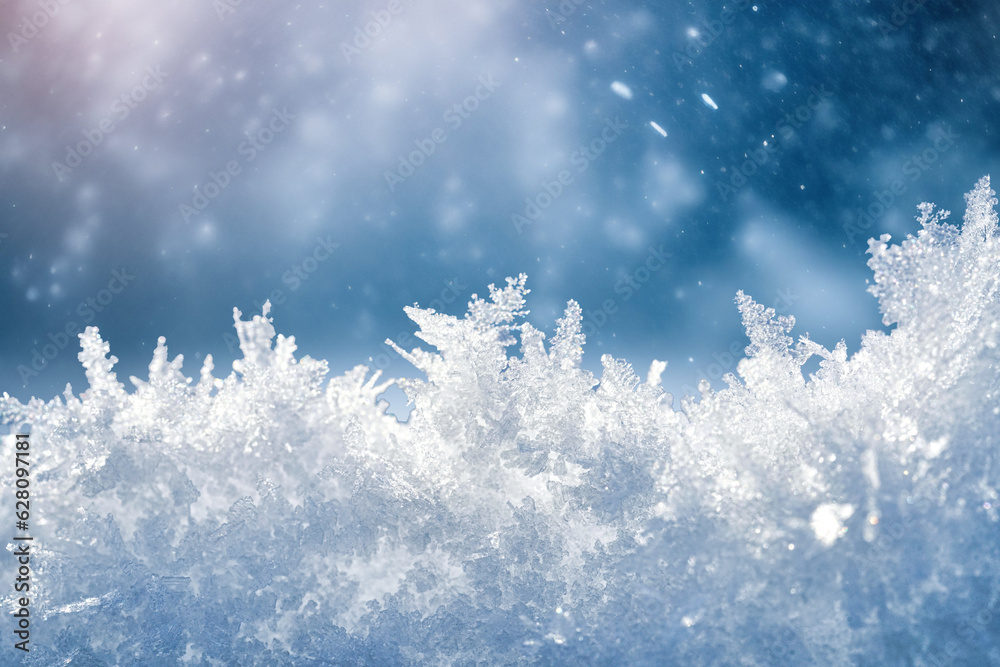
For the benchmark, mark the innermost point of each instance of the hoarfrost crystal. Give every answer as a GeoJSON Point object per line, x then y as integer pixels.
{"type": "Point", "coordinates": [530, 512]}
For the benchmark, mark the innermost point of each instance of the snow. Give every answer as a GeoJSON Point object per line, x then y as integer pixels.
{"type": "Point", "coordinates": [530, 512]}
{"type": "Point", "coordinates": [828, 521]}
{"type": "Point", "coordinates": [621, 90]}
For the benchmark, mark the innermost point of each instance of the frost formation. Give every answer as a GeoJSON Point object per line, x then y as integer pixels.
{"type": "Point", "coordinates": [530, 513]}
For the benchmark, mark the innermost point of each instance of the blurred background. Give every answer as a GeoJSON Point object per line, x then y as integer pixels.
{"type": "Point", "coordinates": [164, 163]}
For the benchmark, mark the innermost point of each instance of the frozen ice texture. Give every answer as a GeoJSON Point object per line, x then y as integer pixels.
{"type": "Point", "coordinates": [531, 513]}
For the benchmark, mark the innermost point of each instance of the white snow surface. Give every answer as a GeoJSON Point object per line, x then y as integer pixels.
{"type": "Point", "coordinates": [531, 513]}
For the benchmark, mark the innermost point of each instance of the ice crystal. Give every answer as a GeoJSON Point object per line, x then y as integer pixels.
{"type": "Point", "coordinates": [530, 512]}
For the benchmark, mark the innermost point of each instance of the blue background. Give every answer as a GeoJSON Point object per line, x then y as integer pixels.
{"type": "Point", "coordinates": [894, 79]}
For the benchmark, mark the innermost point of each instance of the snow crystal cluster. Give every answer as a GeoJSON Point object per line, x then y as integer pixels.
{"type": "Point", "coordinates": [532, 513]}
